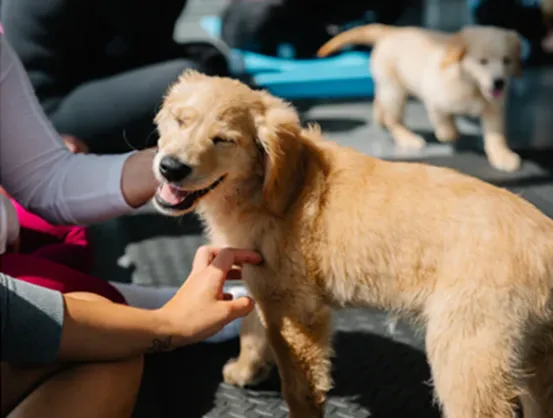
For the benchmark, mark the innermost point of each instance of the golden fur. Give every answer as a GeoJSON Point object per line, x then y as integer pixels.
{"type": "Point", "coordinates": [452, 74]}
{"type": "Point", "coordinates": [470, 262]}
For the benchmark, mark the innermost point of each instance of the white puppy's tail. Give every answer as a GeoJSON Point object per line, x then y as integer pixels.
{"type": "Point", "coordinates": [365, 35]}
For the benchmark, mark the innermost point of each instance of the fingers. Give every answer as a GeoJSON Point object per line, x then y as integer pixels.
{"type": "Point", "coordinates": [227, 258]}
{"type": "Point", "coordinates": [239, 307]}
{"type": "Point", "coordinates": [204, 256]}
{"type": "Point", "coordinates": [224, 258]}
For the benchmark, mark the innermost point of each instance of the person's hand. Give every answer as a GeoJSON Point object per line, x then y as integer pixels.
{"type": "Point", "coordinates": [74, 144]}
{"type": "Point", "coordinates": [200, 308]}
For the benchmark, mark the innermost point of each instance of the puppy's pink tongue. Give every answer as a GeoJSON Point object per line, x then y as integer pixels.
{"type": "Point", "coordinates": [171, 195]}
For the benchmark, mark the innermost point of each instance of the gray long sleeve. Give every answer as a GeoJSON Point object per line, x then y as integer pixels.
{"type": "Point", "coordinates": [38, 171]}
{"type": "Point", "coordinates": [31, 321]}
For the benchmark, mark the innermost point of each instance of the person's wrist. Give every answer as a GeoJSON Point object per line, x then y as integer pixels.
{"type": "Point", "coordinates": [138, 183]}
{"type": "Point", "coordinates": [168, 334]}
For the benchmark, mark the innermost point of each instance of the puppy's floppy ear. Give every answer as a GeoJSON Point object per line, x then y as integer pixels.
{"type": "Point", "coordinates": [517, 52]}
{"type": "Point", "coordinates": [455, 50]}
{"type": "Point", "coordinates": [279, 138]}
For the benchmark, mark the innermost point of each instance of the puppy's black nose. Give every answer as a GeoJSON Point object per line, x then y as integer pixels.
{"type": "Point", "coordinates": [172, 169]}
{"type": "Point", "coordinates": [498, 84]}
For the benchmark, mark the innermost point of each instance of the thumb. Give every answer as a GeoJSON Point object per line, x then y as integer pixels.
{"type": "Point", "coordinates": [240, 307]}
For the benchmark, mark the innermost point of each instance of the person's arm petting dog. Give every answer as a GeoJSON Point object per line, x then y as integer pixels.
{"type": "Point", "coordinates": [40, 325]}
{"type": "Point", "coordinates": [38, 171]}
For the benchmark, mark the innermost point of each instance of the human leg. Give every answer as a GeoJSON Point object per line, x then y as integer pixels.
{"type": "Point", "coordinates": [116, 113]}
{"type": "Point", "coordinates": [84, 390]}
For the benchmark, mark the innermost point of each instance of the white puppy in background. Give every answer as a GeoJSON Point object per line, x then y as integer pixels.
{"type": "Point", "coordinates": [465, 73]}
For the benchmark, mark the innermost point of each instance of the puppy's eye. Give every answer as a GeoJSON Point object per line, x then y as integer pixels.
{"type": "Point", "coordinates": [483, 61]}
{"type": "Point", "coordinates": [219, 140]}
{"type": "Point", "coordinates": [507, 60]}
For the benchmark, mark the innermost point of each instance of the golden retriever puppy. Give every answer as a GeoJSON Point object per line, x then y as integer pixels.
{"type": "Point", "coordinates": [466, 73]}
{"type": "Point", "coordinates": [471, 262]}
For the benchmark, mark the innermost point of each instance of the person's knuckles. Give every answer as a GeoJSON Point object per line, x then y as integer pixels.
{"type": "Point", "coordinates": [241, 306]}
{"type": "Point", "coordinates": [204, 256]}
{"type": "Point", "coordinates": [222, 264]}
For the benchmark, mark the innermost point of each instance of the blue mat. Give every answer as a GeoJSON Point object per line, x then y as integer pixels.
{"type": "Point", "coordinates": [340, 76]}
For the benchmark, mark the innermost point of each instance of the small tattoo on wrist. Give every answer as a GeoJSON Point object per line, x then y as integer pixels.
{"type": "Point", "coordinates": [160, 345]}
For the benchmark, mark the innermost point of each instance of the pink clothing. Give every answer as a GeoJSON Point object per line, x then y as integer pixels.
{"type": "Point", "coordinates": [66, 245]}
{"type": "Point", "coordinates": [56, 257]}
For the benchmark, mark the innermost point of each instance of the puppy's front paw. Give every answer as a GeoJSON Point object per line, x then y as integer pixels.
{"type": "Point", "coordinates": [446, 134]}
{"type": "Point", "coordinates": [411, 141]}
{"type": "Point", "coordinates": [505, 160]}
{"type": "Point", "coordinates": [241, 373]}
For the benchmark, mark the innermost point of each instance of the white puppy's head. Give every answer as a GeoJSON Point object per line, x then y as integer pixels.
{"type": "Point", "coordinates": [489, 55]}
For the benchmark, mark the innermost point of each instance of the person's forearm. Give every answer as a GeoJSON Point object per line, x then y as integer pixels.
{"type": "Point", "coordinates": [103, 331]}
{"type": "Point", "coordinates": [138, 183]}
{"type": "Point", "coordinates": [39, 172]}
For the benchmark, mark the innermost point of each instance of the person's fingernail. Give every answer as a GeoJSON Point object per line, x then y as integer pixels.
{"type": "Point", "coordinates": [259, 257]}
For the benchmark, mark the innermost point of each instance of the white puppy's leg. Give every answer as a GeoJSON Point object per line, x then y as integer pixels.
{"type": "Point", "coordinates": [497, 150]}
{"type": "Point", "coordinates": [444, 125]}
{"type": "Point", "coordinates": [391, 102]}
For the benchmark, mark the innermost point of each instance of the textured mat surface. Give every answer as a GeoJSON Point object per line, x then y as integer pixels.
{"type": "Point", "coordinates": [375, 375]}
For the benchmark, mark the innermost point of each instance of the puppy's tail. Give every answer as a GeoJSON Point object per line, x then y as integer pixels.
{"type": "Point", "coordinates": [365, 35]}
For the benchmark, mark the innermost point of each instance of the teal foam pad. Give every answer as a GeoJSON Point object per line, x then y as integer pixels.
{"type": "Point", "coordinates": [341, 76]}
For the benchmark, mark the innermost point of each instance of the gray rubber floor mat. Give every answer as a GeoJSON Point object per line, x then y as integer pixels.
{"type": "Point", "coordinates": [376, 374]}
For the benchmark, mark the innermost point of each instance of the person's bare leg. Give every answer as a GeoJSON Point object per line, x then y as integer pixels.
{"type": "Point", "coordinates": [17, 381]}
{"type": "Point", "coordinates": [62, 390]}
{"type": "Point", "coordinates": [106, 390]}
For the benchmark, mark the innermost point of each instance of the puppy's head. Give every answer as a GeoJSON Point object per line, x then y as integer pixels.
{"type": "Point", "coordinates": [216, 134]}
{"type": "Point", "coordinates": [489, 55]}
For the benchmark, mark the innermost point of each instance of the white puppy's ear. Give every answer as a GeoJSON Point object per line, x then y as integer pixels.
{"type": "Point", "coordinates": [279, 136]}
{"type": "Point", "coordinates": [455, 50]}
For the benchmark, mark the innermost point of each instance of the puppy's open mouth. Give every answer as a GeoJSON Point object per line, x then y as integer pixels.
{"type": "Point", "coordinates": [169, 196]}
{"type": "Point", "coordinates": [497, 93]}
